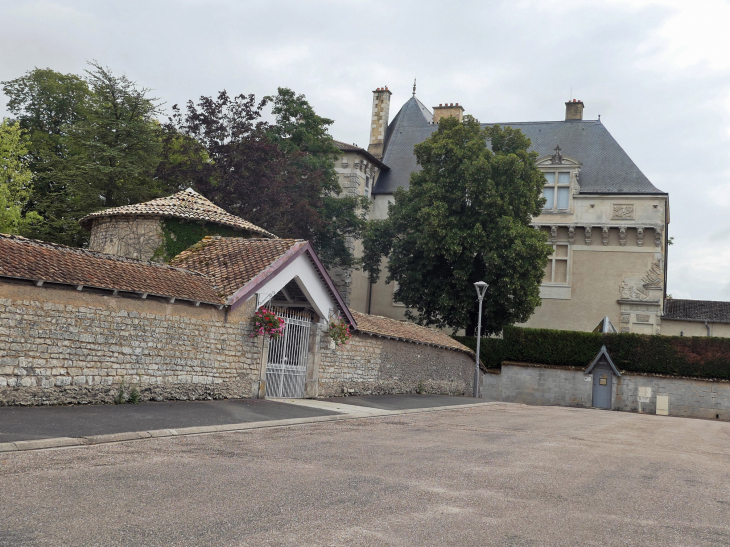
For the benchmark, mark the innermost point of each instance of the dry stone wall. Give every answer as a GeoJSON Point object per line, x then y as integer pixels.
{"type": "Point", "coordinates": [370, 365]}
{"type": "Point", "coordinates": [64, 346]}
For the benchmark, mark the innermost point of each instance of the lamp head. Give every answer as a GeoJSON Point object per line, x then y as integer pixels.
{"type": "Point", "coordinates": [481, 287]}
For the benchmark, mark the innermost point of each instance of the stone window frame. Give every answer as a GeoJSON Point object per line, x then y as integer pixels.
{"type": "Point", "coordinates": [556, 186]}
{"type": "Point", "coordinates": [552, 261]}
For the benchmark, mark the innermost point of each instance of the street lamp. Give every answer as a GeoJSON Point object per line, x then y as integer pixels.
{"type": "Point", "coordinates": [481, 287]}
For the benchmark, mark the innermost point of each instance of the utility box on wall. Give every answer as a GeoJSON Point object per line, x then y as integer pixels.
{"type": "Point", "coordinates": [662, 405]}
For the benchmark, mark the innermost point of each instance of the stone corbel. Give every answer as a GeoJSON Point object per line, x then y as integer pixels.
{"type": "Point", "coordinates": [604, 233]}
{"type": "Point", "coordinates": [588, 234]}
{"type": "Point", "coordinates": [622, 236]}
{"type": "Point", "coordinates": [658, 236]}
{"type": "Point", "coordinates": [571, 235]}
{"type": "Point", "coordinates": [640, 236]}
{"type": "Point", "coordinates": [553, 234]}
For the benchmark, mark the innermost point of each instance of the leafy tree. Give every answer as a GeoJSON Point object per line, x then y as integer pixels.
{"type": "Point", "coordinates": [465, 218]}
{"type": "Point", "coordinates": [45, 103]}
{"type": "Point", "coordinates": [278, 176]}
{"type": "Point", "coordinates": [116, 147]}
{"type": "Point", "coordinates": [15, 180]}
{"type": "Point", "coordinates": [94, 143]}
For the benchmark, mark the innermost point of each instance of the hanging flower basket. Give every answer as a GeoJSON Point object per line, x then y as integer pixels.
{"type": "Point", "coordinates": [339, 331]}
{"type": "Point", "coordinates": [266, 322]}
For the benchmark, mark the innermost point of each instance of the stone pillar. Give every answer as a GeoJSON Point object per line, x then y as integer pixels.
{"type": "Point", "coordinates": [261, 391]}
{"type": "Point", "coordinates": [314, 357]}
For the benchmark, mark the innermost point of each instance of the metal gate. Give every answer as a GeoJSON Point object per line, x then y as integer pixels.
{"type": "Point", "coordinates": [286, 368]}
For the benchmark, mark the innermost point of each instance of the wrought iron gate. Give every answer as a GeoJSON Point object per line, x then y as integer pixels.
{"type": "Point", "coordinates": [286, 368]}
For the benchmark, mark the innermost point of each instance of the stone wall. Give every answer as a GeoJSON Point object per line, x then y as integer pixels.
{"type": "Point", "coordinates": [371, 365]}
{"type": "Point", "coordinates": [535, 385]}
{"type": "Point", "coordinates": [60, 346]}
{"type": "Point", "coordinates": [132, 237]}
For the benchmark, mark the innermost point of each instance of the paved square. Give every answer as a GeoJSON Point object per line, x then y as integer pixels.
{"type": "Point", "coordinates": [502, 475]}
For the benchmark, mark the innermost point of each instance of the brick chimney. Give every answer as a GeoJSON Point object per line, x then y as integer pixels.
{"type": "Point", "coordinates": [379, 121]}
{"type": "Point", "coordinates": [446, 110]}
{"type": "Point", "coordinates": [574, 110]}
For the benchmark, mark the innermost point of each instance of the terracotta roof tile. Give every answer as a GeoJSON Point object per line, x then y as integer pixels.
{"type": "Point", "coordinates": [390, 328]}
{"type": "Point", "coordinates": [232, 262]}
{"type": "Point", "coordinates": [30, 259]}
{"type": "Point", "coordinates": [187, 204]}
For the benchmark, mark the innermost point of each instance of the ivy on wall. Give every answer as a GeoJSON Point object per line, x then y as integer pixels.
{"type": "Point", "coordinates": [179, 235]}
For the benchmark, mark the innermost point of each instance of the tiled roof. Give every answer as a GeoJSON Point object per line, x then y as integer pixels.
{"type": "Point", "coordinates": [606, 168]}
{"type": "Point", "coordinates": [355, 148]}
{"type": "Point", "coordinates": [232, 262]}
{"type": "Point", "coordinates": [23, 258]}
{"type": "Point", "coordinates": [401, 330]}
{"type": "Point", "coordinates": [697, 310]}
{"type": "Point", "coordinates": [187, 204]}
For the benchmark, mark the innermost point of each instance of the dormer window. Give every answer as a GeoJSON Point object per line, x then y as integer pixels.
{"type": "Point", "coordinates": [557, 191]}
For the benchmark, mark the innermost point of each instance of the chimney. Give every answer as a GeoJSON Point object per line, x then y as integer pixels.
{"type": "Point", "coordinates": [574, 110]}
{"type": "Point", "coordinates": [446, 110]}
{"type": "Point", "coordinates": [379, 121]}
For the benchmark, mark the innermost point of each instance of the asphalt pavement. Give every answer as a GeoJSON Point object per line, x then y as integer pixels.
{"type": "Point", "coordinates": [33, 423]}
{"type": "Point", "coordinates": [497, 474]}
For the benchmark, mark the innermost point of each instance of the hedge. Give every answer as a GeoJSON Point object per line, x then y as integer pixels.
{"type": "Point", "coordinates": [698, 357]}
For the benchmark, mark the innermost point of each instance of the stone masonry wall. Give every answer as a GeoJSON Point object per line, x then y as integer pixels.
{"type": "Point", "coordinates": [131, 237]}
{"type": "Point", "coordinates": [61, 346]}
{"type": "Point", "coordinates": [534, 385]}
{"type": "Point", "coordinates": [371, 365]}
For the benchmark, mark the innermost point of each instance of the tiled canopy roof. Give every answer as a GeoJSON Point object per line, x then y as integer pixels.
{"type": "Point", "coordinates": [187, 204]}
{"type": "Point", "coordinates": [401, 330]}
{"type": "Point", "coordinates": [23, 258]}
{"type": "Point", "coordinates": [697, 310]}
{"type": "Point", "coordinates": [606, 167]}
{"type": "Point", "coordinates": [232, 262]}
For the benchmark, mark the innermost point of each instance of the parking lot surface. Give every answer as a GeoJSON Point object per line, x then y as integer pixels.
{"type": "Point", "coordinates": [493, 475]}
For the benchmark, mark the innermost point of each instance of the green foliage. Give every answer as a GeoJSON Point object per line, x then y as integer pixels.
{"type": "Point", "coordinates": [15, 180]}
{"type": "Point", "coordinates": [465, 218]}
{"type": "Point", "coordinates": [180, 235]}
{"type": "Point", "coordinates": [121, 396]}
{"type": "Point", "coordinates": [46, 103]}
{"type": "Point", "coordinates": [698, 357]}
{"type": "Point", "coordinates": [134, 396]}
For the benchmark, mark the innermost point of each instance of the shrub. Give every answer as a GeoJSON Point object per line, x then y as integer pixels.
{"type": "Point", "coordinates": [670, 355]}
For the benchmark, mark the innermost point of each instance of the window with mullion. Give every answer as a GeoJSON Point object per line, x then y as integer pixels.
{"type": "Point", "coordinates": [556, 270]}
{"type": "Point", "coordinates": [556, 191]}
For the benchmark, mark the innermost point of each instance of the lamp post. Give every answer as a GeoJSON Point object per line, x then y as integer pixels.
{"type": "Point", "coordinates": [481, 287]}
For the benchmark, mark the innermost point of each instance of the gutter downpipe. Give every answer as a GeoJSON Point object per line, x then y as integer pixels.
{"type": "Point", "coordinates": [709, 335]}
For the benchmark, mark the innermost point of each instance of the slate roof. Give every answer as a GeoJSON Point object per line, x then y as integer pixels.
{"type": "Point", "coordinates": [401, 330]}
{"type": "Point", "coordinates": [697, 310]}
{"type": "Point", "coordinates": [606, 169]}
{"type": "Point", "coordinates": [22, 258]}
{"type": "Point", "coordinates": [355, 148]}
{"type": "Point", "coordinates": [231, 262]}
{"type": "Point", "coordinates": [187, 204]}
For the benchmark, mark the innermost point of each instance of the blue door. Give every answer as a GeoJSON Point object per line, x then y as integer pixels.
{"type": "Point", "coordinates": [602, 385]}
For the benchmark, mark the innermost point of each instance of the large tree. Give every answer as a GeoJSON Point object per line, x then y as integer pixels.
{"type": "Point", "coordinates": [465, 218]}
{"type": "Point", "coordinates": [94, 143]}
{"type": "Point", "coordinates": [15, 180]}
{"type": "Point", "coordinates": [280, 176]}
{"type": "Point", "coordinates": [45, 104]}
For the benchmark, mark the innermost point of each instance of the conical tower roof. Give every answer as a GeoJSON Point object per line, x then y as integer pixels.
{"type": "Point", "coordinates": [188, 205]}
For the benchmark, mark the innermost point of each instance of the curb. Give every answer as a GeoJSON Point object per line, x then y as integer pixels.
{"type": "Point", "coordinates": [91, 440]}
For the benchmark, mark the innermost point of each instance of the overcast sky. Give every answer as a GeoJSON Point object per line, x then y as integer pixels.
{"type": "Point", "coordinates": [658, 73]}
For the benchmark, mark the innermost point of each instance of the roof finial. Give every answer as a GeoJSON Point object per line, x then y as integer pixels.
{"type": "Point", "coordinates": [414, 87]}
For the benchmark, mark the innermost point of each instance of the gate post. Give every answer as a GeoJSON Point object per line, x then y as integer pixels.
{"type": "Point", "coordinates": [261, 392]}
{"type": "Point", "coordinates": [311, 384]}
